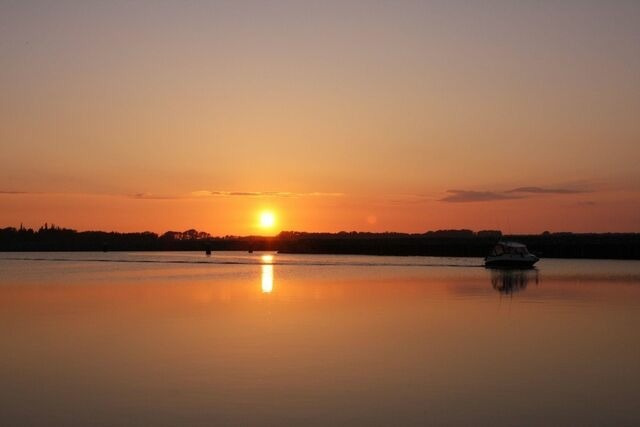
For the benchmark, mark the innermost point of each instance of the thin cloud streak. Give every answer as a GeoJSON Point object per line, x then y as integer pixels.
{"type": "Point", "coordinates": [465, 196]}
{"type": "Point", "coordinates": [150, 196]}
{"type": "Point", "coordinates": [190, 195]}
{"type": "Point", "coordinates": [540, 190]}
{"type": "Point", "coordinates": [14, 192]}
{"type": "Point", "coordinates": [207, 193]}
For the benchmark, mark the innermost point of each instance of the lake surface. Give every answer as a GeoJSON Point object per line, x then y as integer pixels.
{"type": "Point", "coordinates": [170, 339]}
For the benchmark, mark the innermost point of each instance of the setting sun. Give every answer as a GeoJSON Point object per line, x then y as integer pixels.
{"type": "Point", "coordinates": [267, 219]}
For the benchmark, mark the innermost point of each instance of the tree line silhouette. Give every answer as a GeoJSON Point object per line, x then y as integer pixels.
{"type": "Point", "coordinates": [432, 243]}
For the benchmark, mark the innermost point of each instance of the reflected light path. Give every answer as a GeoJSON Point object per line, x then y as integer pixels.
{"type": "Point", "coordinates": [267, 274]}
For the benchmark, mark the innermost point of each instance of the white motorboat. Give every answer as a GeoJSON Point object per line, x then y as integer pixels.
{"type": "Point", "coordinates": [510, 254]}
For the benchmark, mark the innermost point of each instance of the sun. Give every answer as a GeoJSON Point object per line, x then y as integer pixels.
{"type": "Point", "coordinates": [267, 219]}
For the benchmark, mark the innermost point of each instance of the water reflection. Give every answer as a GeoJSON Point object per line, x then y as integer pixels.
{"type": "Point", "coordinates": [511, 281]}
{"type": "Point", "coordinates": [267, 274]}
{"type": "Point", "coordinates": [335, 345]}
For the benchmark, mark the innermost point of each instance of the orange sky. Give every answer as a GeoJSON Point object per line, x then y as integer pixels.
{"type": "Point", "coordinates": [403, 116]}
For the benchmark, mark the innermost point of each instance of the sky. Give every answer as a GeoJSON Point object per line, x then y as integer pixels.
{"type": "Point", "coordinates": [334, 115]}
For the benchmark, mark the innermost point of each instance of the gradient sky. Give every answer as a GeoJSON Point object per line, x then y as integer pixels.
{"type": "Point", "coordinates": [346, 115]}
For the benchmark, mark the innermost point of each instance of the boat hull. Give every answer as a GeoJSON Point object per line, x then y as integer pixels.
{"type": "Point", "coordinates": [509, 263]}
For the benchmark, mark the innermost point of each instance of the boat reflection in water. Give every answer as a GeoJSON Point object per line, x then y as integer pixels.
{"type": "Point", "coordinates": [267, 273]}
{"type": "Point", "coordinates": [509, 281]}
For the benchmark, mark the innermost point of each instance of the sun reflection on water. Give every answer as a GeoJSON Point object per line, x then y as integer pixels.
{"type": "Point", "coordinates": [267, 274]}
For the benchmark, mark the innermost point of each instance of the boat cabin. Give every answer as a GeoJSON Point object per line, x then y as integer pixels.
{"type": "Point", "coordinates": [509, 248]}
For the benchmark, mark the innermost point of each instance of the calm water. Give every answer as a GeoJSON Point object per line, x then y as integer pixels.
{"type": "Point", "coordinates": [169, 339]}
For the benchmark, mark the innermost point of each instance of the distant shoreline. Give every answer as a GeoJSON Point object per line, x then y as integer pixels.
{"type": "Point", "coordinates": [454, 243]}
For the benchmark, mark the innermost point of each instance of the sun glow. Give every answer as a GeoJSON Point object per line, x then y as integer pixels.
{"type": "Point", "coordinates": [267, 219]}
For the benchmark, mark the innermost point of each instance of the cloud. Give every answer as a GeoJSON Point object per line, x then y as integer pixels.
{"type": "Point", "coordinates": [14, 192]}
{"type": "Point", "coordinates": [151, 196]}
{"type": "Point", "coordinates": [540, 190]}
{"type": "Point", "coordinates": [190, 195]}
{"type": "Point", "coordinates": [464, 196]}
{"type": "Point", "coordinates": [208, 193]}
